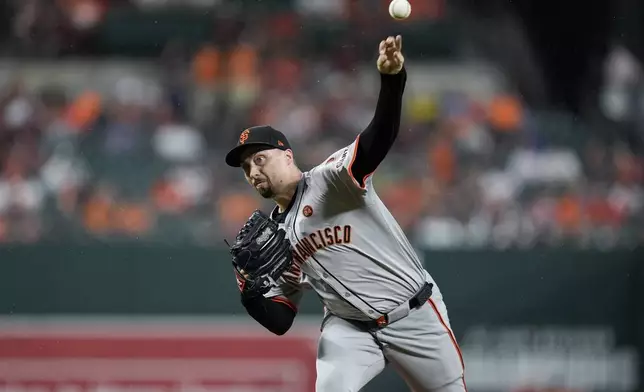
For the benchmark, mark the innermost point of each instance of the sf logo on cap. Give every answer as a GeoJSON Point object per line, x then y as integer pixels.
{"type": "Point", "coordinates": [244, 136]}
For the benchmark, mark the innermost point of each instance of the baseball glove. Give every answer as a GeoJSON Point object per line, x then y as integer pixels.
{"type": "Point", "coordinates": [261, 253]}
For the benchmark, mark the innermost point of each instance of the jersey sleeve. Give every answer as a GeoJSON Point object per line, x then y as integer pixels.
{"type": "Point", "coordinates": [337, 170]}
{"type": "Point", "coordinates": [287, 291]}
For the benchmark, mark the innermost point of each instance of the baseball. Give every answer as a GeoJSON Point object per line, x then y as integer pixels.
{"type": "Point", "coordinates": [399, 9]}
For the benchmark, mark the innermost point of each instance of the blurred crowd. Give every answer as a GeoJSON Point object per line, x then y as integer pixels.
{"type": "Point", "coordinates": [143, 160]}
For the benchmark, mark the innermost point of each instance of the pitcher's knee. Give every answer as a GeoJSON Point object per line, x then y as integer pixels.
{"type": "Point", "coordinates": [334, 382]}
{"type": "Point", "coordinates": [457, 385]}
{"type": "Point", "coordinates": [340, 378]}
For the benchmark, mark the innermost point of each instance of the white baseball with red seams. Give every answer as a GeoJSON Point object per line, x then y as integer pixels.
{"type": "Point", "coordinates": [399, 9]}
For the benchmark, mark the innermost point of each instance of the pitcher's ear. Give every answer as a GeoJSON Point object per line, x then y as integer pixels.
{"type": "Point", "coordinates": [289, 155]}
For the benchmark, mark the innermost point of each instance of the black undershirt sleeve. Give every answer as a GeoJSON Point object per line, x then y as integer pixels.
{"type": "Point", "coordinates": [376, 140]}
{"type": "Point", "coordinates": [275, 316]}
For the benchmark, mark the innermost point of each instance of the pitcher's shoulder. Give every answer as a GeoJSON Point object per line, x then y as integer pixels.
{"type": "Point", "coordinates": [336, 169]}
{"type": "Point", "coordinates": [335, 161]}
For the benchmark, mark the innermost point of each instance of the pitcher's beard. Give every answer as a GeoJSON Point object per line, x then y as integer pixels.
{"type": "Point", "coordinates": [267, 193]}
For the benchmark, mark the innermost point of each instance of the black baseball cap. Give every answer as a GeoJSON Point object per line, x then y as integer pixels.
{"type": "Point", "coordinates": [262, 135]}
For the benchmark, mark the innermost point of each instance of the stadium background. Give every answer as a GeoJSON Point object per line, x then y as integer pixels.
{"type": "Point", "coordinates": [518, 175]}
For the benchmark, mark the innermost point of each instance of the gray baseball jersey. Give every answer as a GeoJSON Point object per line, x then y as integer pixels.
{"type": "Point", "coordinates": [347, 245]}
{"type": "Point", "coordinates": [352, 252]}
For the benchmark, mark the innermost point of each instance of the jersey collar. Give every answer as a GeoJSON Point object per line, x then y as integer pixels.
{"type": "Point", "coordinates": [280, 217]}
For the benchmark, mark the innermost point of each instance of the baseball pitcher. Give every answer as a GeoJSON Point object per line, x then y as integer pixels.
{"type": "Point", "coordinates": [330, 232]}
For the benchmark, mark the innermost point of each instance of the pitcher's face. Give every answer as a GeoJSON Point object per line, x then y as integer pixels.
{"type": "Point", "coordinates": [265, 169]}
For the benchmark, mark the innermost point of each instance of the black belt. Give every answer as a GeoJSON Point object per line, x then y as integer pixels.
{"type": "Point", "coordinates": [416, 301]}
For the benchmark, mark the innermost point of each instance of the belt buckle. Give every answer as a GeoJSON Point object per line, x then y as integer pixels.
{"type": "Point", "coordinates": [382, 321]}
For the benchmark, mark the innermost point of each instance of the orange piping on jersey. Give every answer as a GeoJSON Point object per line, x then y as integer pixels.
{"type": "Point", "coordinates": [353, 158]}
{"type": "Point", "coordinates": [285, 302]}
{"type": "Point", "coordinates": [451, 336]}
